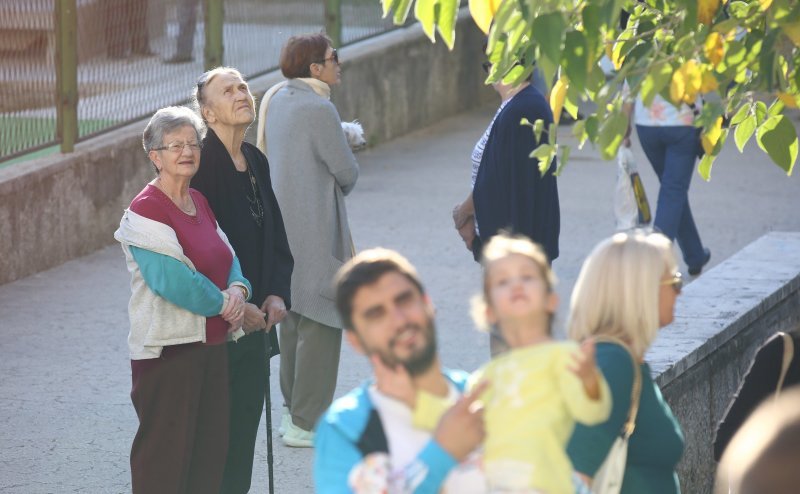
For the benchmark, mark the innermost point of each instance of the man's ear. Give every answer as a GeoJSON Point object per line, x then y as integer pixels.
{"type": "Point", "coordinates": [354, 340]}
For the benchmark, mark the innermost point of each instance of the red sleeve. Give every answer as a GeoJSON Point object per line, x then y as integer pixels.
{"type": "Point", "coordinates": [148, 205]}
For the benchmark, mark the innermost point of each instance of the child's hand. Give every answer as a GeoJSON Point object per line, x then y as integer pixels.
{"type": "Point", "coordinates": [585, 367]}
{"type": "Point", "coordinates": [394, 382]}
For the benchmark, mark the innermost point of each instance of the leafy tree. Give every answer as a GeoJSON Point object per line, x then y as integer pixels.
{"type": "Point", "coordinates": [746, 51]}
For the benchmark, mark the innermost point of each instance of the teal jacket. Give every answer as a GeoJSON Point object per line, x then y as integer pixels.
{"type": "Point", "coordinates": [351, 429]}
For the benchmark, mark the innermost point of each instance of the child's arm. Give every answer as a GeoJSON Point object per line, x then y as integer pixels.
{"type": "Point", "coordinates": [584, 388]}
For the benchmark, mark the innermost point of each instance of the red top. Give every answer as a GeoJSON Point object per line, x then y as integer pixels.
{"type": "Point", "coordinates": [199, 239]}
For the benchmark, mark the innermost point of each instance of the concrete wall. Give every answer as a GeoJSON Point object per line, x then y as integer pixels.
{"type": "Point", "coordinates": [721, 320]}
{"type": "Point", "coordinates": [64, 206]}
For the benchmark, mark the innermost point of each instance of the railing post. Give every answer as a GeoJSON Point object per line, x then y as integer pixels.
{"type": "Point", "coordinates": [66, 19]}
{"type": "Point", "coordinates": [333, 21]}
{"type": "Point", "coordinates": [215, 18]}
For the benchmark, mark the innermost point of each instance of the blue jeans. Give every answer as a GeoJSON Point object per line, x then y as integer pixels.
{"type": "Point", "coordinates": [672, 152]}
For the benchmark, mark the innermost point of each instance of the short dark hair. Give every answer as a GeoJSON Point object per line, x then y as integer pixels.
{"type": "Point", "coordinates": [300, 52]}
{"type": "Point", "coordinates": [365, 269]}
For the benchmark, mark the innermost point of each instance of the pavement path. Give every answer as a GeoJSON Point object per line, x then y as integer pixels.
{"type": "Point", "coordinates": [66, 422]}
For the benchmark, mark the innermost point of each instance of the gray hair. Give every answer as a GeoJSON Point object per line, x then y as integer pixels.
{"type": "Point", "coordinates": [198, 99]}
{"type": "Point", "coordinates": [167, 120]}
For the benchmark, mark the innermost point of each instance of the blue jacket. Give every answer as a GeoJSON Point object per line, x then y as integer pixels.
{"type": "Point", "coordinates": [351, 429]}
{"type": "Point", "coordinates": [509, 192]}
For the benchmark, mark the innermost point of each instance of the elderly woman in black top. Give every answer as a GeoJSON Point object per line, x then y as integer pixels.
{"type": "Point", "coordinates": [234, 176]}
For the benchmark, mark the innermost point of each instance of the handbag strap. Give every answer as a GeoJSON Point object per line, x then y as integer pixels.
{"type": "Point", "coordinates": [636, 391]}
{"type": "Point", "coordinates": [788, 355]}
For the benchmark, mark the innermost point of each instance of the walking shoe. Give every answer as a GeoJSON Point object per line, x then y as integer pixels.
{"type": "Point", "coordinates": [286, 418]}
{"type": "Point", "coordinates": [695, 270]}
{"type": "Point", "coordinates": [296, 437]}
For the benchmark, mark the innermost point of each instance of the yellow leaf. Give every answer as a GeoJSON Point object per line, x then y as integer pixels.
{"type": "Point", "coordinates": [792, 30]}
{"type": "Point", "coordinates": [765, 4]}
{"type": "Point", "coordinates": [709, 83]}
{"type": "Point", "coordinates": [706, 10]}
{"type": "Point", "coordinates": [789, 100]}
{"type": "Point", "coordinates": [557, 96]}
{"type": "Point", "coordinates": [483, 12]}
{"type": "Point", "coordinates": [710, 138]}
{"type": "Point", "coordinates": [714, 48]}
{"type": "Point", "coordinates": [686, 83]}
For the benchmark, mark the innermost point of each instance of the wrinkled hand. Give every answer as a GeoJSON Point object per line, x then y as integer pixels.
{"type": "Point", "coordinates": [394, 382]}
{"type": "Point", "coordinates": [584, 366]}
{"type": "Point", "coordinates": [460, 216]}
{"type": "Point", "coordinates": [275, 308]}
{"type": "Point", "coordinates": [461, 429]}
{"type": "Point", "coordinates": [467, 232]}
{"type": "Point", "coordinates": [233, 312]}
{"type": "Point", "coordinates": [253, 319]}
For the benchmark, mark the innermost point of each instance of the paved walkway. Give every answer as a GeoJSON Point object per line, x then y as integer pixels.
{"type": "Point", "coordinates": [66, 421]}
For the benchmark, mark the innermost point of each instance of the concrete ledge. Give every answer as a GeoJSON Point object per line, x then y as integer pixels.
{"type": "Point", "coordinates": [721, 320]}
{"type": "Point", "coordinates": [56, 208]}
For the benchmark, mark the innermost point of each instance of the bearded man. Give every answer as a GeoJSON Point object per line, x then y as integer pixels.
{"type": "Point", "coordinates": [367, 440]}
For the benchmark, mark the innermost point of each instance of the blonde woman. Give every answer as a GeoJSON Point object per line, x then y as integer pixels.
{"type": "Point", "coordinates": [625, 293]}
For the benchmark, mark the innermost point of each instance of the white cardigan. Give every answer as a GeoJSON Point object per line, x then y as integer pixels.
{"type": "Point", "coordinates": [155, 321]}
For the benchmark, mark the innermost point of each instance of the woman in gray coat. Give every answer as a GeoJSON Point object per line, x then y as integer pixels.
{"type": "Point", "coordinates": [312, 169]}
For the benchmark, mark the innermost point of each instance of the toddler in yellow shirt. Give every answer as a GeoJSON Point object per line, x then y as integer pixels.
{"type": "Point", "coordinates": [540, 387]}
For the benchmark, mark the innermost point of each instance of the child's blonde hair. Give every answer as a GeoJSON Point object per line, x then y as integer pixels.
{"type": "Point", "coordinates": [499, 247]}
{"type": "Point", "coordinates": [617, 290]}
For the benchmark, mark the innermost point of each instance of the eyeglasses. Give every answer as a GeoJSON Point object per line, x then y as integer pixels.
{"type": "Point", "coordinates": [676, 280]}
{"type": "Point", "coordinates": [177, 147]}
{"type": "Point", "coordinates": [334, 56]}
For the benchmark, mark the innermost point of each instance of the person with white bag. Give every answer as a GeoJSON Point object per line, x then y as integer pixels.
{"type": "Point", "coordinates": [624, 294]}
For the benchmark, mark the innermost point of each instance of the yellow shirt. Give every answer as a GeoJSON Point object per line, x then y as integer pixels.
{"type": "Point", "coordinates": [531, 407]}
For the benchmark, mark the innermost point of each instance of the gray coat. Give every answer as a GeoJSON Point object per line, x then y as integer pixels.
{"type": "Point", "coordinates": [312, 169]}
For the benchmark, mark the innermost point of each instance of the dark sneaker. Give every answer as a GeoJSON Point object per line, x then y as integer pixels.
{"type": "Point", "coordinates": [695, 270]}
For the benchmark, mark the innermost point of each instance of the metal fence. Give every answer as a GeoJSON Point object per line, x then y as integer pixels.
{"type": "Point", "coordinates": [70, 69]}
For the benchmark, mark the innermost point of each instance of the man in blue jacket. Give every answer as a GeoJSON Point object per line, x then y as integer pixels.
{"type": "Point", "coordinates": [367, 440]}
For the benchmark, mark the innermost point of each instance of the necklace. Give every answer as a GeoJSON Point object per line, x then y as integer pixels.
{"type": "Point", "coordinates": [256, 208]}
{"type": "Point", "coordinates": [190, 209]}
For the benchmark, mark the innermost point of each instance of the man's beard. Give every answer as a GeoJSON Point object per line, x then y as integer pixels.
{"type": "Point", "coordinates": [420, 361]}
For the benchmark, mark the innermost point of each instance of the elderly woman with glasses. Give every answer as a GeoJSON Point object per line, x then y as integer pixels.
{"type": "Point", "coordinates": [313, 168]}
{"type": "Point", "coordinates": [235, 177]}
{"type": "Point", "coordinates": [624, 294]}
{"type": "Point", "coordinates": [188, 299]}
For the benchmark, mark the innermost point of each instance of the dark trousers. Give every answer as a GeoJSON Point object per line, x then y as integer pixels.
{"type": "Point", "coordinates": [181, 401]}
{"type": "Point", "coordinates": [672, 151]}
{"type": "Point", "coordinates": [247, 365]}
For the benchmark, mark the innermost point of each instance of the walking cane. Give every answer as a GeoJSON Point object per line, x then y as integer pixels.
{"type": "Point", "coordinates": [268, 348]}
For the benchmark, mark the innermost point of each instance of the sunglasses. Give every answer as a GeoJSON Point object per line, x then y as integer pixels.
{"type": "Point", "coordinates": [334, 56]}
{"type": "Point", "coordinates": [676, 280]}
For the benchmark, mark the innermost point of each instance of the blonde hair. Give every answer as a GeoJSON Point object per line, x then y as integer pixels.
{"type": "Point", "coordinates": [617, 291]}
{"type": "Point", "coordinates": [499, 247]}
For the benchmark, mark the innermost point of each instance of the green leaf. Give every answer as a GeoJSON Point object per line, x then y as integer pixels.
{"type": "Point", "coordinates": [611, 133]}
{"type": "Point", "coordinates": [425, 12]}
{"type": "Point", "coordinates": [401, 10]}
{"type": "Point", "coordinates": [576, 57]}
{"type": "Point", "coordinates": [655, 81]}
{"type": "Point", "coordinates": [591, 15]}
{"type": "Point", "coordinates": [579, 132]}
{"type": "Point", "coordinates": [387, 5]}
{"type": "Point", "coordinates": [562, 161]}
{"type": "Point", "coordinates": [704, 168]}
{"type": "Point", "coordinates": [446, 21]}
{"type": "Point", "coordinates": [592, 128]}
{"type": "Point", "coordinates": [538, 128]}
{"type": "Point", "coordinates": [778, 137]}
{"type": "Point", "coordinates": [775, 108]}
{"type": "Point", "coordinates": [545, 154]}
{"type": "Point", "coordinates": [548, 31]}
{"type": "Point", "coordinates": [761, 113]}
{"type": "Point", "coordinates": [744, 131]}
{"type": "Point", "coordinates": [741, 114]}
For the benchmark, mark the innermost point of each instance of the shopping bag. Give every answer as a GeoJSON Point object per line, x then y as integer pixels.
{"type": "Point", "coordinates": [631, 208]}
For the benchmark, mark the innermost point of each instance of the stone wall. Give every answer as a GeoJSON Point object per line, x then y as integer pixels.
{"type": "Point", "coordinates": [721, 320]}
{"type": "Point", "coordinates": [60, 207]}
